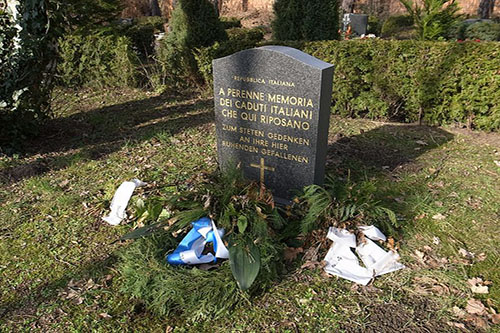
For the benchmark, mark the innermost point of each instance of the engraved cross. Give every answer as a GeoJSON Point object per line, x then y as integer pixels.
{"type": "Point", "coordinates": [262, 168]}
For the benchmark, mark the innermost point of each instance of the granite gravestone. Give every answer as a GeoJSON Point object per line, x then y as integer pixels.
{"type": "Point", "coordinates": [272, 111]}
{"type": "Point", "coordinates": [358, 23]}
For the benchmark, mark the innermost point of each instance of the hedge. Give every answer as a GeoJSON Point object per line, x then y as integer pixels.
{"type": "Point", "coordinates": [434, 82]}
{"type": "Point", "coordinates": [96, 61]}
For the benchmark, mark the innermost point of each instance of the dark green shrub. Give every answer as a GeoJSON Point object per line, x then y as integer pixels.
{"type": "Point", "coordinates": [230, 22]}
{"type": "Point", "coordinates": [141, 34]}
{"type": "Point", "coordinates": [374, 25]}
{"type": "Point", "coordinates": [305, 20]}
{"type": "Point", "coordinates": [456, 31]}
{"type": "Point", "coordinates": [288, 20]}
{"type": "Point", "coordinates": [398, 27]}
{"type": "Point", "coordinates": [320, 20]}
{"type": "Point", "coordinates": [26, 52]}
{"type": "Point", "coordinates": [485, 31]}
{"type": "Point", "coordinates": [239, 39]}
{"type": "Point", "coordinates": [194, 24]}
{"type": "Point", "coordinates": [97, 61]}
{"type": "Point", "coordinates": [157, 22]}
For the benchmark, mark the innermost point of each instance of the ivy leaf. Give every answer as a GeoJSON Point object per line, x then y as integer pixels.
{"type": "Point", "coordinates": [242, 223]}
{"type": "Point", "coordinates": [245, 263]}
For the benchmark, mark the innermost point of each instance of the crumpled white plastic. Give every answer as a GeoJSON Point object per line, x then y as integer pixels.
{"type": "Point", "coordinates": [120, 201]}
{"type": "Point", "coordinates": [343, 262]}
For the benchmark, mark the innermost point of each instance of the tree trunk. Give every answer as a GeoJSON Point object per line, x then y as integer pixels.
{"type": "Point", "coordinates": [347, 6]}
{"type": "Point", "coordinates": [154, 8]}
{"type": "Point", "coordinates": [485, 8]}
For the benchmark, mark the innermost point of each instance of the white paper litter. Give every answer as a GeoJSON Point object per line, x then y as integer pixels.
{"type": "Point", "coordinates": [373, 232]}
{"type": "Point", "coordinates": [342, 262]}
{"type": "Point", "coordinates": [120, 201]}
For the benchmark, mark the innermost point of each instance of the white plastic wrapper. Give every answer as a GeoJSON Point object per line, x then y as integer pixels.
{"type": "Point", "coordinates": [342, 262]}
{"type": "Point", "coordinates": [120, 201]}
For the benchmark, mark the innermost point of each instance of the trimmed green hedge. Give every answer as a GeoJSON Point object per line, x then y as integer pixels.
{"type": "Point", "coordinates": [97, 61]}
{"type": "Point", "coordinates": [436, 82]}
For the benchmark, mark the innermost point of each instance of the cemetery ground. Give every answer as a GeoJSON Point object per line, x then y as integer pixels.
{"type": "Point", "coordinates": [58, 258]}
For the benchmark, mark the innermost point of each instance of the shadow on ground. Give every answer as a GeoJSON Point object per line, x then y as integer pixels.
{"type": "Point", "coordinates": [100, 132]}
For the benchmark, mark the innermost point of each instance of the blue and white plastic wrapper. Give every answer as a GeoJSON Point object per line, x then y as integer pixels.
{"type": "Point", "coordinates": [342, 262]}
{"type": "Point", "coordinates": [120, 201]}
{"type": "Point", "coordinates": [189, 251]}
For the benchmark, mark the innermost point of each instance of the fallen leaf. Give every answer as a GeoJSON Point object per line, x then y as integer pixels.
{"type": "Point", "coordinates": [459, 313]}
{"type": "Point", "coordinates": [439, 217]}
{"type": "Point", "coordinates": [475, 306]}
{"type": "Point", "coordinates": [466, 254]}
{"type": "Point", "coordinates": [457, 325]}
{"type": "Point", "coordinates": [419, 254]}
{"type": "Point", "coordinates": [479, 289]}
{"type": "Point", "coordinates": [480, 322]}
{"type": "Point", "coordinates": [104, 315]}
{"type": "Point", "coordinates": [310, 265]}
{"type": "Point", "coordinates": [420, 216]}
{"type": "Point", "coordinates": [291, 253]}
{"type": "Point", "coordinates": [495, 319]}
{"type": "Point", "coordinates": [481, 257]}
{"type": "Point", "coordinates": [64, 183]}
{"type": "Point", "coordinates": [475, 281]}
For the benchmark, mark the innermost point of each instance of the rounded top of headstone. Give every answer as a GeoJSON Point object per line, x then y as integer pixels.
{"type": "Point", "coordinates": [286, 51]}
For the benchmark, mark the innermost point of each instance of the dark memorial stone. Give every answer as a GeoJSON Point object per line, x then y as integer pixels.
{"type": "Point", "coordinates": [272, 111]}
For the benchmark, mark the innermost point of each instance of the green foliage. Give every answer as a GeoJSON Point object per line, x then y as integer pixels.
{"type": "Point", "coordinates": [96, 60]}
{"type": "Point", "coordinates": [239, 39]}
{"type": "Point", "coordinates": [141, 34]}
{"type": "Point", "coordinates": [288, 18]}
{"type": "Point", "coordinates": [25, 49]}
{"type": "Point", "coordinates": [374, 25]}
{"type": "Point", "coordinates": [245, 263]}
{"type": "Point", "coordinates": [305, 20]}
{"type": "Point", "coordinates": [28, 49]}
{"type": "Point", "coordinates": [397, 26]}
{"type": "Point", "coordinates": [230, 22]}
{"type": "Point", "coordinates": [344, 204]}
{"type": "Point", "coordinates": [320, 20]}
{"type": "Point", "coordinates": [406, 80]}
{"type": "Point", "coordinates": [484, 31]}
{"type": "Point", "coordinates": [243, 209]}
{"type": "Point", "coordinates": [194, 24]}
{"type": "Point", "coordinates": [433, 18]}
{"type": "Point", "coordinates": [167, 290]}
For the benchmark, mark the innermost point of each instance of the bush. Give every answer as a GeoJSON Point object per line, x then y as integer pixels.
{"type": "Point", "coordinates": [194, 24]}
{"type": "Point", "coordinates": [306, 20]}
{"type": "Point", "coordinates": [485, 31]}
{"type": "Point", "coordinates": [406, 80]}
{"type": "Point", "coordinates": [97, 61]}
{"type": "Point", "coordinates": [25, 56]}
{"type": "Point", "coordinates": [433, 18]}
{"type": "Point", "coordinates": [287, 23]}
{"type": "Point", "coordinates": [142, 34]}
{"type": "Point", "coordinates": [320, 20]}
{"type": "Point", "coordinates": [398, 27]}
{"type": "Point", "coordinates": [239, 39]}
{"type": "Point", "coordinates": [374, 25]}
{"type": "Point", "coordinates": [230, 22]}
